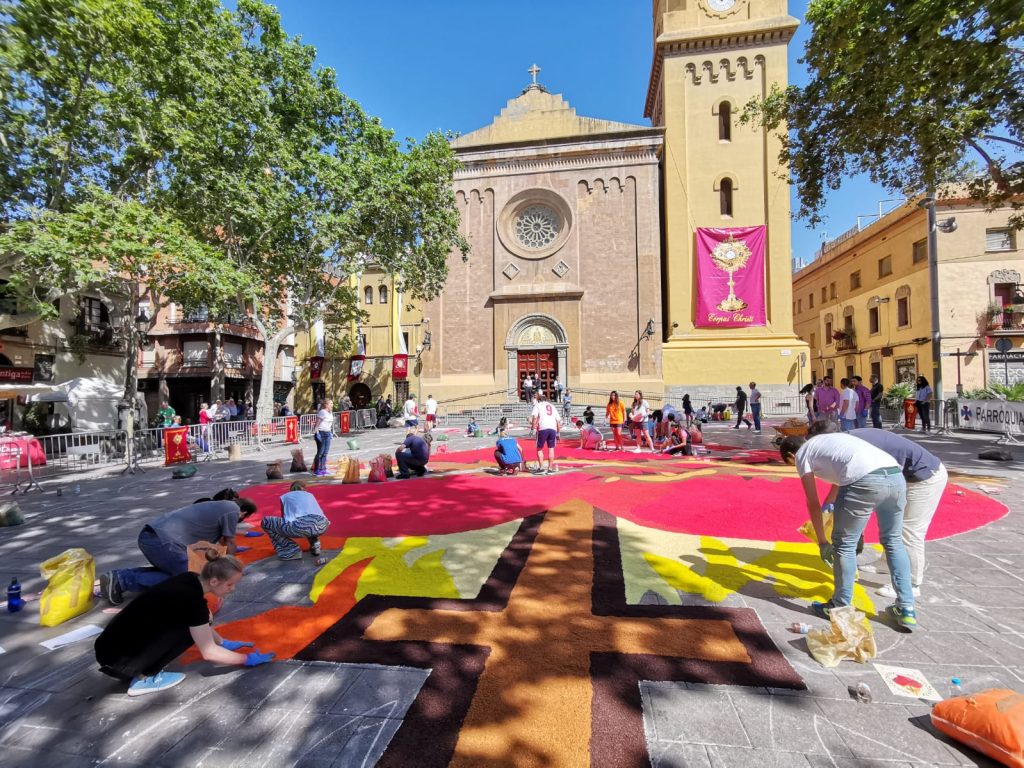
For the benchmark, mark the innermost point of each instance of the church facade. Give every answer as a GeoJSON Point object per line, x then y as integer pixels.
{"type": "Point", "coordinates": [608, 255]}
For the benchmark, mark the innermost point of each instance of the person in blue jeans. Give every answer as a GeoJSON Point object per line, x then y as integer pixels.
{"type": "Point", "coordinates": [323, 436]}
{"type": "Point", "coordinates": [165, 543]}
{"type": "Point", "coordinates": [507, 454]}
{"type": "Point", "coordinates": [413, 454]}
{"type": "Point", "coordinates": [755, 405]}
{"type": "Point", "coordinates": [864, 478]}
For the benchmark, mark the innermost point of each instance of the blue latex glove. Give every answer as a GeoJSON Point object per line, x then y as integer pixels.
{"type": "Point", "coordinates": [234, 645]}
{"type": "Point", "coordinates": [255, 658]}
{"type": "Point", "coordinates": [830, 508]}
{"type": "Point", "coordinates": [242, 549]}
{"type": "Point", "coordinates": [253, 534]}
{"type": "Point", "coordinates": [827, 554]}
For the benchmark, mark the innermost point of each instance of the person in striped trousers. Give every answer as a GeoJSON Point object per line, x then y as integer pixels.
{"type": "Point", "coordinates": [301, 518]}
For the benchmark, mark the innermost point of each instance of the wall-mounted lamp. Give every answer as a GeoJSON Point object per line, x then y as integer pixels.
{"type": "Point", "coordinates": [947, 226]}
{"type": "Point", "coordinates": [426, 340]}
{"type": "Point", "coordinates": [649, 330]}
{"type": "Point", "coordinates": [881, 300]}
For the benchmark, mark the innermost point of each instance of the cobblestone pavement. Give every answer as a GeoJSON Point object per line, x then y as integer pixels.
{"type": "Point", "coordinates": [57, 709]}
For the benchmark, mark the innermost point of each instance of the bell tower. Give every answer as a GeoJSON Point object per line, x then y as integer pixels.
{"type": "Point", "coordinates": [710, 58]}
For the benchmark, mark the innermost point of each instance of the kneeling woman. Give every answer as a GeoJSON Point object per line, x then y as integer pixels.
{"type": "Point", "coordinates": [163, 622]}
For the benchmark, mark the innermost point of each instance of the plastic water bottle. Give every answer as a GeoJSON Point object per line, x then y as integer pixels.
{"type": "Point", "coordinates": [800, 628]}
{"type": "Point", "coordinates": [14, 601]}
{"type": "Point", "coordinates": [956, 688]}
{"type": "Point", "coordinates": [321, 561]}
{"type": "Point", "coordinates": [863, 693]}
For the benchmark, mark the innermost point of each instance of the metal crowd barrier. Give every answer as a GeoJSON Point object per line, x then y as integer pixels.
{"type": "Point", "coordinates": [70, 453]}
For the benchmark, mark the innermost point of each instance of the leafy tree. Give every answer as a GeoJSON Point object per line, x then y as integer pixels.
{"type": "Point", "coordinates": [301, 188]}
{"type": "Point", "coordinates": [908, 92]}
{"type": "Point", "coordinates": [124, 252]}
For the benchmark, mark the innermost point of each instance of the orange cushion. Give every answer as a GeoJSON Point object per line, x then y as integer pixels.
{"type": "Point", "coordinates": [991, 722]}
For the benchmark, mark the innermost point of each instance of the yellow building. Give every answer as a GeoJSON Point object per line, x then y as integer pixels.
{"type": "Point", "coordinates": [391, 320]}
{"type": "Point", "coordinates": [710, 58]}
{"type": "Point", "coordinates": [864, 304]}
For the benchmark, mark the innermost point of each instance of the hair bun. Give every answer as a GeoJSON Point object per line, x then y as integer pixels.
{"type": "Point", "coordinates": [212, 553]}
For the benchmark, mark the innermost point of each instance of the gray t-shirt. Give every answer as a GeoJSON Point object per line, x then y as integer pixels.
{"type": "Point", "coordinates": [205, 521]}
{"type": "Point", "coordinates": [917, 463]}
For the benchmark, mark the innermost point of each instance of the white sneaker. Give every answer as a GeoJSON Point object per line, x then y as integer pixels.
{"type": "Point", "coordinates": [889, 591]}
{"type": "Point", "coordinates": [636, 450]}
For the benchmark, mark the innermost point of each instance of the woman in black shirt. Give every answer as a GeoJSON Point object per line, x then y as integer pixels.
{"type": "Point", "coordinates": [163, 622]}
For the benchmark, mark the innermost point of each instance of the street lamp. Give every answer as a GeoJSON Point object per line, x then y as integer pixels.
{"type": "Point", "coordinates": [649, 330]}
{"type": "Point", "coordinates": [946, 226]}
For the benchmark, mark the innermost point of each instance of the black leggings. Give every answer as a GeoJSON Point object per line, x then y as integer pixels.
{"type": "Point", "coordinates": [152, 659]}
{"type": "Point", "coordinates": [924, 408]}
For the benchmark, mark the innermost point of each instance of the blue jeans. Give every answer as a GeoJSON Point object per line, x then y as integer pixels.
{"type": "Point", "coordinates": [755, 408]}
{"type": "Point", "coordinates": [887, 495]}
{"type": "Point", "coordinates": [876, 415]}
{"type": "Point", "coordinates": [847, 424]}
{"type": "Point", "coordinates": [168, 559]}
{"type": "Point", "coordinates": [862, 420]}
{"type": "Point", "coordinates": [323, 446]}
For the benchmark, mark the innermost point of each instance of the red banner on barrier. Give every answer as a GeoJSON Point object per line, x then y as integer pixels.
{"type": "Point", "coordinates": [176, 446]}
{"type": "Point", "coordinates": [291, 429]}
{"type": "Point", "coordinates": [400, 367]}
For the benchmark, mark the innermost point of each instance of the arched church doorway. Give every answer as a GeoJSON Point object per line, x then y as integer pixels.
{"type": "Point", "coordinates": [360, 395]}
{"type": "Point", "coordinates": [537, 346]}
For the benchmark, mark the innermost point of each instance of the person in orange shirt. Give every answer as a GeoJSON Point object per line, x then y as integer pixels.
{"type": "Point", "coordinates": [616, 413]}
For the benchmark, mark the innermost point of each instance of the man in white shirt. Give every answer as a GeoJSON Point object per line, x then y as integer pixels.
{"type": "Point", "coordinates": [411, 412]}
{"type": "Point", "coordinates": [755, 405]}
{"type": "Point", "coordinates": [547, 422]}
{"type": "Point", "coordinates": [431, 406]}
{"type": "Point", "coordinates": [865, 478]}
{"type": "Point", "coordinates": [848, 402]}
{"type": "Point", "coordinates": [528, 389]}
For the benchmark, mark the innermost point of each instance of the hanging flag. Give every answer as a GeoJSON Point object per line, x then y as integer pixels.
{"type": "Point", "coordinates": [730, 277]}
{"type": "Point", "coordinates": [291, 429]}
{"type": "Point", "coordinates": [316, 366]}
{"type": "Point", "coordinates": [400, 362]}
{"type": "Point", "coordinates": [355, 366]}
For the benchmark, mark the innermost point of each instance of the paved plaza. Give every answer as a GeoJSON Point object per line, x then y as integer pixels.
{"type": "Point", "coordinates": [57, 709]}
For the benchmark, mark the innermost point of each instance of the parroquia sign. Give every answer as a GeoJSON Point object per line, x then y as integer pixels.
{"type": "Point", "coordinates": [991, 416]}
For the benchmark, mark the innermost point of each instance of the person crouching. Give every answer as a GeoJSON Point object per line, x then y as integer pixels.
{"type": "Point", "coordinates": [301, 518]}
{"type": "Point", "coordinates": [163, 622]}
{"type": "Point", "coordinates": [507, 454]}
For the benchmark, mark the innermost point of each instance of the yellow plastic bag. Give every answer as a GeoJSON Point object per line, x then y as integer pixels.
{"type": "Point", "coordinates": [69, 591]}
{"type": "Point", "coordinates": [848, 637]}
{"type": "Point", "coordinates": [808, 530]}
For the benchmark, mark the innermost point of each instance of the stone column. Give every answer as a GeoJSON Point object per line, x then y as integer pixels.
{"type": "Point", "coordinates": [513, 371]}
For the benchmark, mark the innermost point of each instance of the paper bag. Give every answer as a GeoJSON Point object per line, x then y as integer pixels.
{"type": "Point", "coordinates": [348, 469]}
{"type": "Point", "coordinates": [197, 554]}
{"type": "Point", "coordinates": [848, 637]}
{"type": "Point", "coordinates": [298, 461]}
{"type": "Point", "coordinates": [69, 591]}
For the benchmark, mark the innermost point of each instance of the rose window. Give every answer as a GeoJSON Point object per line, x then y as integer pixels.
{"type": "Point", "coordinates": [537, 227]}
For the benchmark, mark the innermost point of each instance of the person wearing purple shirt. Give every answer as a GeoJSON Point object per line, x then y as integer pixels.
{"type": "Point", "coordinates": [864, 404]}
{"type": "Point", "coordinates": [828, 400]}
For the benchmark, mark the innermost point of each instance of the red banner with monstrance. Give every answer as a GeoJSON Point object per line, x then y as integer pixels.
{"type": "Point", "coordinates": [730, 277]}
{"type": "Point", "coordinates": [291, 429]}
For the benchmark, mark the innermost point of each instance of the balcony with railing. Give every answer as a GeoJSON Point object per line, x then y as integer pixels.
{"type": "Point", "coordinates": [203, 322]}
{"type": "Point", "coordinates": [845, 341]}
{"type": "Point", "coordinates": [1009, 320]}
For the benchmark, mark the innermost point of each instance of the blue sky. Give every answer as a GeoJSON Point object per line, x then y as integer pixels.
{"type": "Point", "coordinates": [451, 65]}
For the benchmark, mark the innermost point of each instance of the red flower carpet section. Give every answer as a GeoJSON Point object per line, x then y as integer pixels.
{"type": "Point", "coordinates": [541, 665]}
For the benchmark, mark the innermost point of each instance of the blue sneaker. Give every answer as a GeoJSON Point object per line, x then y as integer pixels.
{"type": "Point", "coordinates": [821, 610]}
{"type": "Point", "coordinates": [161, 681]}
{"type": "Point", "coordinates": [906, 618]}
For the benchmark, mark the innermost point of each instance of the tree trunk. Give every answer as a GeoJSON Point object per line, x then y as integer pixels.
{"type": "Point", "coordinates": [217, 367]}
{"type": "Point", "coordinates": [271, 345]}
{"type": "Point", "coordinates": [130, 398]}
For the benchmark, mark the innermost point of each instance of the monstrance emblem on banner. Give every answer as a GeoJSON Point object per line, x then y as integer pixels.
{"type": "Point", "coordinates": [731, 256]}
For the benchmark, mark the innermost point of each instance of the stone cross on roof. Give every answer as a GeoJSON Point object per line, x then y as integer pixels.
{"type": "Point", "coordinates": [534, 70]}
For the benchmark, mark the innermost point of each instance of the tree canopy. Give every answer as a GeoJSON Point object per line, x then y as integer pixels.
{"type": "Point", "coordinates": [914, 93]}
{"type": "Point", "coordinates": [225, 129]}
